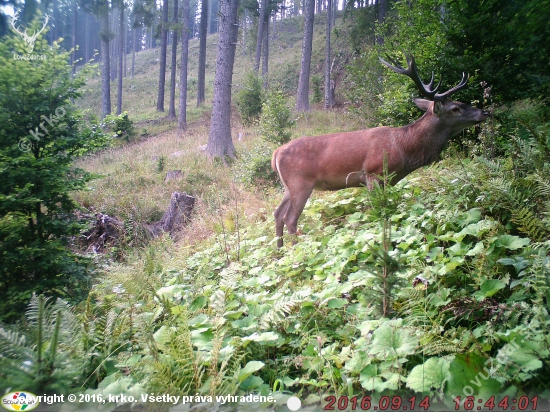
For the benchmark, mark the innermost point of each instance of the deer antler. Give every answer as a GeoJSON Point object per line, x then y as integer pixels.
{"type": "Point", "coordinates": [12, 24]}
{"type": "Point", "coordinates": [36, 33]}
{"type": "Point", "coordinates": [426, 89]}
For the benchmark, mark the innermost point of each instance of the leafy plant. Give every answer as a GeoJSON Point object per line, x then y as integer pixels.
{"type": "Point", "coordinates": [276, 120]}
{"type": "Point", "coordinates": [45, 356]}
{"type": "Point", "coordinates": [121, 125]}
{"type": "Point", "coordinates": [41, 134]}
{"type": "Point", "coordinates": [254, 166]}
{"type": "Point", "coordinates": [250, 98]}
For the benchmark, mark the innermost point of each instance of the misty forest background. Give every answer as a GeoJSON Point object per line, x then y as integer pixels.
{"type": "Point", "coordinates": [435, 288]}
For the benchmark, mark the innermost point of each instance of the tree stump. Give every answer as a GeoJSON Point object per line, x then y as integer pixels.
{"type": "Point", "coordinates": [105, 231]}
{"type": "Point", "coordinates": [176, 216]}
{"type": "Point", "coordinates": [173, 175]}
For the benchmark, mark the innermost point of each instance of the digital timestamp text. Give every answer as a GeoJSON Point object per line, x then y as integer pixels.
{"type": "Point", "coordinates": [399, 403]}
{"type": "Point", "coordinates": [365, 403]}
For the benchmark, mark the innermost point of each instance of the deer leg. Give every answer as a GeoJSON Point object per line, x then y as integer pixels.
{"type": "Point", "coordinates": [297, 204]}
{"type": "Point", "coordinates": [279, 214]}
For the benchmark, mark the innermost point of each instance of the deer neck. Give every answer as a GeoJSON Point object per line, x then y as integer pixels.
{"type": "Point", "coordinates": [424, 140]}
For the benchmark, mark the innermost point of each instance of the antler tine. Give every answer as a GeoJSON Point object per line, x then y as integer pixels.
{"type": "Point", "coordinates": [412, 72]}
{"type": "Point", "coordinates": [426, 89]}
{"type": "Point", "coordinates": [463, 83]}
{"type": "Point", "coordinates": [12, 22]}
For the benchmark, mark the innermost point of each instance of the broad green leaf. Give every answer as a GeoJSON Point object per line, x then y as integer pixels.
{"type": "Point", "coordinates": [431, 374]}
{"type": "Point", "coordinates": [198, 303]}
{"type": "Point", "coordinates": [263, 337]}
{"type": "Point", "coordinates": [392, 342]}
{"type": "Point", "coordinates": [512, 242]}
{"type": "Point", "coordinates": [249, 369]}
{"type": "Point", "coordinates": [470, 374]}
{"type": "Point", "coordinates": [336, 303]}
{"type": "Point", "coordinates": [476, 250]}
{"type": "Point", "coordinates": [490, 287]}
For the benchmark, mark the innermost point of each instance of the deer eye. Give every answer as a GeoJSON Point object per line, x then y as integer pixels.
{"type": "Point", "coordinates": [456, 109]}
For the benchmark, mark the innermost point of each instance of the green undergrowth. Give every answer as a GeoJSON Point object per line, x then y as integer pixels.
{"type": "Point", "coordinates": [431, 288]}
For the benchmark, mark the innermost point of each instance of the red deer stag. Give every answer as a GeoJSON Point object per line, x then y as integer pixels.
{"type": "Point", "coordinates": [340, 160]}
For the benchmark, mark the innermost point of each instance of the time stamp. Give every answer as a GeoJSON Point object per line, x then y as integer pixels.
{"type": "Point", "coordinates": [398, 403]}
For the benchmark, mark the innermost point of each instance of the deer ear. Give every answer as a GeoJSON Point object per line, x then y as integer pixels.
{"type": "Point", "coordinates": [422, 104]}
{"type": "Point", "coordinates": [438, 106]}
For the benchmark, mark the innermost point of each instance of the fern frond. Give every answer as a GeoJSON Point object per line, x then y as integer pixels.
{"type": "Point", "coordinates": [280, 310]}
{"type": "Point", "coordinates": [528, 223]}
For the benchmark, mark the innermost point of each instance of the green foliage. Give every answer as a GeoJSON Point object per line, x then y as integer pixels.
{"type": "Point", "coordinates": [41, 133]}
{"type": "Point", "coordinates": [249, 99]}
{"type": "Point", "coordinates": [500, 43]}
{"type": "Point", "coordinates": [46, 355]}
{"type": "Point", "coordinates": [254, 166]}
{"type": "Point", "coordinates": [316, 85]}
{"type": "Point", "coordinates": [120, 125]}
{"type": "Point", "coordinates": [276, 120]}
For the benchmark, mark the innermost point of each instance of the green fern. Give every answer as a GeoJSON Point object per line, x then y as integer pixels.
{"type": "Point", "coordinates": [280, 310]}
{"type": "Point", "coordinates": [529, 224]}
{"type": "Point", "coordinates": [46, 355]}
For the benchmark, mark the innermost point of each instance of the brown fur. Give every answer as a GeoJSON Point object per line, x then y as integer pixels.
{"type": "Point", "coordinates": [340, 160]}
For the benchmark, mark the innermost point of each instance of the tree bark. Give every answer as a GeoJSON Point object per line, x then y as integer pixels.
{"type": "Point", "coordinates": [382, 5]}
{"type": "Point", "coordinates": [87, 41]}
{"type": "Point", "coordinates": [182, 118]}
{"type": "Point", "coordinates": [75, 15]}
{"type": "Point", "coordinates": [133, 51]}
{"type": "Point", "coordinates": [163, 46]}
{"type": "Point", "coordinates": [120, 57]}
{"type": "Point", "coordinates": [302, 97]}
{"type": "Point", "coordinates": [265, 51]}
{"type": "Point", "coordinates": [202, 54]}
{"type": "Point", "coordinates": [172, 108]}
{"type": "Point", "coordinates": [328, 95]}
{"type": "Point", "coordinates": [220, 143]}
{"type": "Point", "coordinates": [105, 65]}
{"type": "Point", "coordinates": [260, 38]}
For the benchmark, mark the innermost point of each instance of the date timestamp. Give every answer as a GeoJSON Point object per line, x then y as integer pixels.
{"type": "Point", "coordinates": [385, 403]}
{"type": "Point", "coordinates": [506, 403]}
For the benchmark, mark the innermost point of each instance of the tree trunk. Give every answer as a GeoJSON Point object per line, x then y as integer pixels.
{"type": "Point", "coordinates": [182, 118]}
{"type": "Point", "coordinates": [105, 65]}
{"type": "Point", "coordinates": [202, 54]}
{"type": "Point", "coordinates": [245, 30]}
{"type": "Point", "coordinates": [125, 49]}
{"type": "Point", "coordinates": [133, 51]}
{"type": "Point", "coordinates": [120, 57]}
{"type": "Point", "coordinates": [302, 97]}
{"type": "Point", "coordinates": [114, 46]}
{"type": "Point", "coordinates": [172, 108]}
{"type": "Point", "coordinates": [220, 143]}
{"type": "Point", "coordinates": [260, 38]}
{"type": "Point", "coordinates": [210, 17]}
{"type": "Point", "coordinates": [87, 41]}
{"type": "Point", "coordinates": [163, 46]}
{"type": "Point", "coordinates": [382, 5]}
{"type": "Point", "coordinates": [265, 51]}
{"type": "Point", "coordinates": [75, 15]}
{"type": "Point", "coordinates": [274, 34]}
{"type": "Point", "coordinates": [328, 95]}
